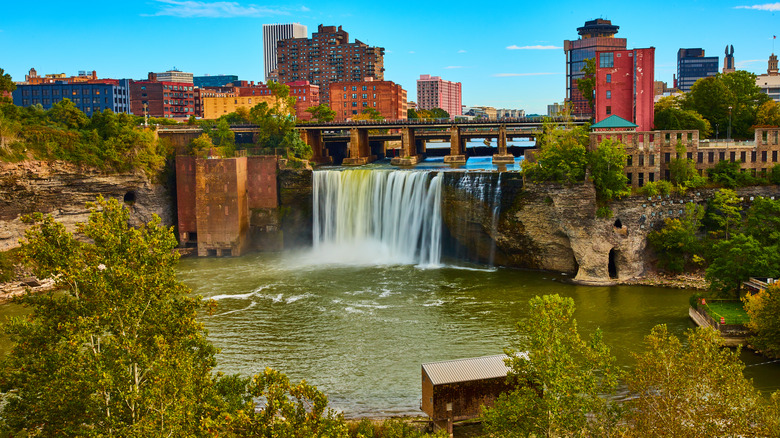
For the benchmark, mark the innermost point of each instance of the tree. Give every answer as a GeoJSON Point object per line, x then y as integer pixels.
{"type": "Point", "coordinates": [694, 389]}
{"type": "Point", "coordinates": [562, 155]}
{"type": "Point", "coordinates": [587, 83]}
{"type": "Point", "coordinates": [369, 114]}
{"type": "Point", "coordinates": [747, 99]}
{"type": "Point", "coordinates": [682, 170]}
{"type": "Point", "coordinates": [119, 350]}
{"type": "Point", "coordinates": [723, 211]}
{"type": "Point", "coordinates": [66, 114]}
{"type": "Point", "coordinates": [676, 243]}
{"type": "Point", "coordinates": [226, 138]}
{"type": "Point", "coordinates": [736, 260]}
{"type": "Point", "coordinates": [411, 113]}
{"type": "Point", "coordinates": [559, 377]}
{"type": "Point", "coordinates": [287, 410]}
{"type": "Point", "coordinates": [7, 85]}
{"type": "Point", "coordinates": [729, 174]}
{"type": "Point", "coordinates": [606, 169]}
{"type": "Point", "coordinates": [438, 113]}
{"type": "Point", "coordinates": [322, 113]}
{"type": "Point", "coordinates": [762, 221]}
{"type": "Point", "coordinates": [711, 98]}
{"type": "Point", "coordinates": [672, 118]}
{"type": "Point", "coordinates": [768, 114]}
{"type": "Point", "coordinates": [764, 311]}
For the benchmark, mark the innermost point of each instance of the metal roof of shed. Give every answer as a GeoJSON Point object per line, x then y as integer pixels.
{"type": "Point", "coordinates": [465, 370]}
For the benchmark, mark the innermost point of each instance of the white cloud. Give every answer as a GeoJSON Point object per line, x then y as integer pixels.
{"type": "Point", "coordinates": [305, 9]}
{"type": "Point", "coordinates": [461, 51]}
{"type": "Point", "coordinates": [765, 7]}
{"type": "Point", "coordinates": [509, 75]}
{"type": "Point", "coordinates": [188, 9]}
{"type": "Point", "coordinates": [536, 47]}
{"type": "Point", "coordinates": [453, 66]}
{"type": "Point", "coordinates": [412, 52]}
{"type": "Point", "coordinates": [745, 62]}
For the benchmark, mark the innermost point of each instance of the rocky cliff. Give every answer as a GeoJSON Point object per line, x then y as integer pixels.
{"type": "Point", "coordinates": [62, 189]}
{"type": "Point", "coordinates": [554, 227]}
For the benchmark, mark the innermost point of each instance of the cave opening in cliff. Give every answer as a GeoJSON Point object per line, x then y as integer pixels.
{"type": "Point", "coordinates": [129, 197]}
{"type": "Point", "coordinates": [618, 223]}
{"type": "Point", "coordinates": [612, 266]}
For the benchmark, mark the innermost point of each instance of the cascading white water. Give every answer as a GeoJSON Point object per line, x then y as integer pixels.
{"type": "Point", "coordinates": [377, 217]}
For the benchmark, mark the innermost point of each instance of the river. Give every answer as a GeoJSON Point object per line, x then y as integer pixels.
{"type": "Point", "coordinates": [360, 333]}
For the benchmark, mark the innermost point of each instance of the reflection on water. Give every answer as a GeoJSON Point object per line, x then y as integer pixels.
{"type": "Point", "coordinates": [360, 333]}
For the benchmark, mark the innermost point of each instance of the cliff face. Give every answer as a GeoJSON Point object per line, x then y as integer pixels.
{"type": "Point", "coordinates": [62, 190]}
{"type": "Point", "coordinates": [554, 227]}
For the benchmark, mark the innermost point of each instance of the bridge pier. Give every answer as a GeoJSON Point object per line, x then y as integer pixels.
{"type": "Point", "coordinates": [313, 137]}
{"type": "Point", "coordinates": [502, 157]}
{"type": "Point", "coordinates": [409, 156]}
{"type": "Point", "coordinates": [457, 150]}
{"type": "Point", "coordinates": [359, 148]}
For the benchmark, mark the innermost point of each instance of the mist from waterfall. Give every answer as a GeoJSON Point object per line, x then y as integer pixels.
{"type": "Point", "coordinates": [377, 217]}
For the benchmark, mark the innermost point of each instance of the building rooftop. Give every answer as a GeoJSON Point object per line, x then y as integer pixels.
{"type": "Point", "coordinates": [613, 122]}
{"type": "Point", "coordinates": [465, 370]}
{"type": "Point", "coordinates": [598, 28]}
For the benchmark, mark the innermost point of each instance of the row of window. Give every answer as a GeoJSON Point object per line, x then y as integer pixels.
{"type": "Point", "coordinates": [710, 157]}
{"type": "Point", "coordinates": [354, 104]}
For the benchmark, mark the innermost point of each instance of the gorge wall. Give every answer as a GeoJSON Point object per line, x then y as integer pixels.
{"type": "Point", "coordinates": [554, 227]}
{"type": "Point", "coordinates": [62, 190]}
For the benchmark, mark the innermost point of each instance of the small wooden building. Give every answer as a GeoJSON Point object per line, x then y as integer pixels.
{"type": "Point", "coordinates": [455, 390]}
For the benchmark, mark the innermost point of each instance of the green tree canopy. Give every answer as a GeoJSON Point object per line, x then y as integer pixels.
{"type": "Point", "coordinates": [587, 84]}
{"type": "Point", "coordinates": [694, 389]}
{"type": "Point", "coordinates": [606, 169]}
{"type": "Point", "coordinates": [562, 155]}
{"type": "Point", "coordinates": [677, 243]}
{"type": "Point", "coordinates": [120, 351]}
{"type": "Point", "coordinates": [736, 260]}
{"type": "Point", "coordinates": [679, 119]}
{"type": "Point", "coordinates": [6, 85]}
{"type": "Point", "coordinates": [559, 378]}
{"type": "Point", "coordinates": [438, 113]}
{"type": "Point", "coordinates": [682, 170]}
{"type": "Point", "coordinates": [768, 114]}
{"type": "Point", "coordinates": [322, 113]}
{"type": "Point", "coordinates": [764, 311]}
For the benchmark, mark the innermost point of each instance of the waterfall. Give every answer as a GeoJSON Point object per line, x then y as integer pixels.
{"type": "Point", "coordinates": [377, 216]}
{"type": "Point", "coordinates": [483, 191]}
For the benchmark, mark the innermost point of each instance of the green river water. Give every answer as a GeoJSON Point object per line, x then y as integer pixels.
{"type": "Point", "coordinates": [361, 333]}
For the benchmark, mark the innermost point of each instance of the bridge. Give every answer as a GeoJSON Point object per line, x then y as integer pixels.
{"type": "Point", "coordinates": [363, 141]}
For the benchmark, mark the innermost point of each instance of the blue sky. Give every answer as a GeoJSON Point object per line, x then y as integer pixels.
{"type": "Point", "coordinates": [506, 55]}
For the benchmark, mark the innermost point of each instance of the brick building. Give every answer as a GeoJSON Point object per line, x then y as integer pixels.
{"type": "Point", "coordinates": [434, 92]}
{"type": "Point", "coordinates": [215, 198]}
{"type": "Point", "coordinates": [348, 99]}
{"type": "Point", "coordinates": [89, 97]}
{"type": "Point", "coordinates": [32, 78]}
{"type": "Point", "coordinates": [328, 57]}
{"type": "Point", "coordinates": [595, 35]}
{"type": "Point", "coordinates": [650, 152]}
{"type": "Point", "coordinates": [169, 99]}
{"type": "Point", "coordinates": [272, 34]}
{"type": "Point", "coordinates": [624, 86]}
{"type": "Point", "coordinates": [306, 95]}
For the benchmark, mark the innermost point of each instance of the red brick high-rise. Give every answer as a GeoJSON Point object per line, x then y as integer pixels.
{"type": "Point", "coordinates": [348, 99]}
{"type": "Point", "coordinates": [595, 35]}
{"type": "Point", "coordinates": [624, 86]}
{"type": "Point", "coordinates": [328, 57]}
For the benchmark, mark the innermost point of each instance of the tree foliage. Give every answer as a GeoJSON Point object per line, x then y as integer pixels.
{"type": "Point", "coordinates": [322, 113]}
{"type": "Point", "coordinates": [559, 378]}
{"type": "Point", "coordinates": [682, 170]}
{"type": "Point", "coordinates": [606, 168]}
{"type": "Point", "coordinates": [736, 260]}
{"type": "Point", "coordinates": [120, 351]}
{"type": "Point", "coordinates": [694, 389]}
{"type": "Point", "coordinates": [7, 85]}
{"type": "Point", "coordinates": [677, 243]}
{"type": "Point", "coordinates": [587, 84]}
{"type": "Point", "coordinates": [369, 114]}
{"type": "Point", "coordinates": [764, 311]}
{"type": "Point", "coordinates": [673, 118]}
{"type": "Point", "coordinates": [712, 96]}
{"type": "Point", "coordinates": [729, 174]}
{"type": "Point", "coordinates": [768, 114]}
{"type": "Point", "coordinates": [562, 155]}
{"type": "Point", "coordinates": [277, 124]}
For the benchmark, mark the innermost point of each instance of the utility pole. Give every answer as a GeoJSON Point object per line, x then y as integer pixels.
{"type": "Point", "coordinates": [729, 133]}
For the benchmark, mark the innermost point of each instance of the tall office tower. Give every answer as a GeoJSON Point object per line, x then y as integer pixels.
{"type": "Point", "coordinates": [272, 34]}
{"type": "Point", "coordinates": [434, 92]}
{"type": "Point", "coordinates": [692, 65]}
{"type": "Point", "coordinates": [596, 35]}
{"type": "Point", "coordinates": [328, 57]}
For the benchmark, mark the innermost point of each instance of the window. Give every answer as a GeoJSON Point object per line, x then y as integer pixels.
{"type": "Point", "coordinates": [365, 87]}
{"type": "Point", "coordinates": [609, 94]}
{"type": "Point", "coordinates": [606, 60]}
{"type": "Point", "coordinates": [721, 156]}
{"type": "Point", "coordinates": [354, 103]}
{"type": "Point", "coordinates": [354, 88]}
{"type": "Point", "coordinates": [609, 110]}
{"type": "Point", "coordinates": [609, 78]}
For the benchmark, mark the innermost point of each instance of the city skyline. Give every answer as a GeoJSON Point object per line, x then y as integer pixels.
{"type": "Point", "coordinates": [507, 56]}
